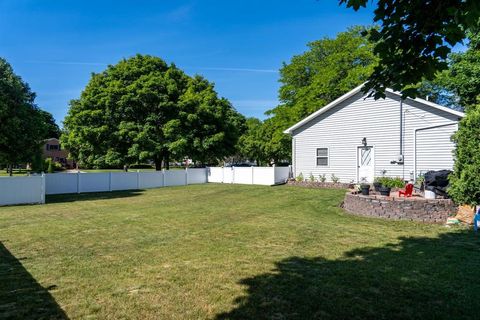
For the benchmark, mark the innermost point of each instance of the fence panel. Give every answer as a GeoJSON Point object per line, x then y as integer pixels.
{"type": "Point", "coordinates": [243, 175]}
{"type": "Point", "coordinates": [215, 174]}
{"type": "Point", "coordinates": [124, 181]}
{"type": "Point", "coordinates": [148, 180]}
{"type": "Point", "coordinates": [264, 175]}
{"type": "Point", "coordinates": [197, 176]}
{"type": "Point", "coordinates": [94, 182]}
{"type": "Point", "coordinates": [282, 174]}
{"type": "Point", "coordinates": [175, 178]}
{"type": "Point", "coordinates": [21, 190]}
{"type": "Point", "coordinates": [228, 175]}
{"type": "Point", "coordinates": [58, 183]}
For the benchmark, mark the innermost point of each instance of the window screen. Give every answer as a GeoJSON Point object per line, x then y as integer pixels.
{"type": "Point", "coordinates": [322, 157]}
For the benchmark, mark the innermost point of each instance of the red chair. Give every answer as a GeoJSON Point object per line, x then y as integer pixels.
{"type": "Point", "coordinates": [407, 192]}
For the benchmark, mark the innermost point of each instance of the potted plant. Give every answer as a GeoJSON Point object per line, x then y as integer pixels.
{"type": "Point", "coordinates": [377, 183]}
{"type": "Point", "coordinates": [365, 188]}
{"type": "Point", "coordinates": [389, 183]}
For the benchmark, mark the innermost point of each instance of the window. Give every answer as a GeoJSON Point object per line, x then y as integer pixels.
{"type": "Point", "coordinates": [54, 147]}
{"type": "Point", "coordinates": [322, 157]}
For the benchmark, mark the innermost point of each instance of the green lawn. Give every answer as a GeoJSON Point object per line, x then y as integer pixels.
{"type": "Point", "coordinates": [229, 252]}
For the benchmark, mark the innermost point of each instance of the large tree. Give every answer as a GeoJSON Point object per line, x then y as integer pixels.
{"type": "Point", "coordinates": [250, 144]}
{"type": "Point", "coordinates": [22, 126]}
{"type": "Point", "coordinates": [142, 109]}
{"type": "Point", "coordinates": [51, 127]}
{"type": "Point", "coordinates": [414, 39]}
{"type": "Point", "coordinates": [331, 67]}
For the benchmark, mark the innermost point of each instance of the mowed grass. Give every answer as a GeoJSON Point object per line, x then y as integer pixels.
{"type": "Point", "coordinates": [229, 252]}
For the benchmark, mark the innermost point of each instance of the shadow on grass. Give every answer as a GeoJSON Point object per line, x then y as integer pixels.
{"type": "Point", "coordinates": [21, 297]}
{"type": "Point", "coordinates": [73, 197]}
{"type": "Point", "coordinates": [417, 278]}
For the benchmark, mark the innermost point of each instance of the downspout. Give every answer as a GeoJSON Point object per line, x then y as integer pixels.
{"type": "Point", "coordinates": [415, 144]}
{"type": "Point", "coordinates": [401, 128]}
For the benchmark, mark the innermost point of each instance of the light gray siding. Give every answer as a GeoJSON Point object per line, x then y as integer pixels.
{"type": "Point", "coordinates": [342, 128]}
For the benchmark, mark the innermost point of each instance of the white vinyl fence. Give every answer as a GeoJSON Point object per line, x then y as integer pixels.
{"type": "Point", "coordinates": [58, 183]}
{"type": "Point", "coordinates": [19, 190]}
{"type": "Point", "coordinates": [249, 175]}
{"type": "Point", "coordinates": [32, 189]}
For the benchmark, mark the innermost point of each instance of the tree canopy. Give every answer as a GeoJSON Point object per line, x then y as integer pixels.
{"type": "Point", "coordinates": [414, 39]}
{"type": "Point", "coordinates": [330, 68]}
{"type": "Point", "coordinates": [22, 126]}
{"type": "Point", "coordinates": [142, 109]}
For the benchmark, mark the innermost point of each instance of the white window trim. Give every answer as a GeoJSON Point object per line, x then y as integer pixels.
{"type": "Point", "coordinates": [328, 157]}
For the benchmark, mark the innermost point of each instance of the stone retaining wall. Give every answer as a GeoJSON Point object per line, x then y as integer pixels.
{"type": "Point", "coordinates": [431, 211]}
{"type": "Point", "coordinates": [316, 184]}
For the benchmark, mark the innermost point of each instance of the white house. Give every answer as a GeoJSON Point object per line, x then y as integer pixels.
{"type": "Point", "coordinates": [358, 138]}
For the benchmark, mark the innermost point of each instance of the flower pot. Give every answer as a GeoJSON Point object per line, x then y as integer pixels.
{"type": "Point", "coordinates": [429, 194]}
{"type": "Point", "coordinates": [385, 191]}
{"type": "Point", "coordinates": [377, 186]}
{"type": "Point", "coordinates": [365, 189]}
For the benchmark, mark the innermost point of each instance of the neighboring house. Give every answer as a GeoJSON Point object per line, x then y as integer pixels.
{"type": "Point", "coordinates": [358, 138]}
{"type": "Point", "coordinates": [52, 149]}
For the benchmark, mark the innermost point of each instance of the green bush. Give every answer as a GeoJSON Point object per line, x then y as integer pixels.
{"type": "Point", "coordinates": [391, 182]}
{"type": "Point", "coordinates": [322, 178]}
{"type": "Point", "coordinates": [299, 178]}
{"type": "Point", "coordinates": [465, 179]}
{"type": "Point", "coordinates": [311, 178]}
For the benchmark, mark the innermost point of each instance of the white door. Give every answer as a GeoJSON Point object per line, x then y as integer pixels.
{"type": "Point", "coordinates": [365, 164]}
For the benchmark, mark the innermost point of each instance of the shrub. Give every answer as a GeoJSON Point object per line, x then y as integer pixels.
{"type": "Point", "coordinates": [464, 181]}
{"type": "Point", "coordinates": [322, 178]}
{"type": "Point", "coordinates": [299, 178]}
{"type": "Point", "coordinates": [391, 182]}
{"type": "Point", "coordinates": [334, 178]}
{"type": "Point", "coordinates": [311, 178]}
{"type": "Point", "coordinates": [50, 165]}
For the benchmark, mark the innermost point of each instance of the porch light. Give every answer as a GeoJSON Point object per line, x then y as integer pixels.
{"type": "Point", "coordinates": [364, 142]}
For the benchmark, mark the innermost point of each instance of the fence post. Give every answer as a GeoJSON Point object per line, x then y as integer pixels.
{"type": "Point", "coordinates": [223, 174]}
{"type": "Point", "coordinates": [164, 178]}
{"type": "Point", "coordinates": [138, 179]}
{"type": "Point", "coordinates": [42, 187]}
{"type": "Point", "coordinates": [252, 174]}
{"type": "Point", "coordinates": [110, 181]}
{"type": "Point", "coordinates": [233, 174]}
{"type": "Point", "coordinates": [78, 181]}
{"type": "Point", "coordinates": [186, 175]}
{"type": "Point", "coordinates": [274, 175]}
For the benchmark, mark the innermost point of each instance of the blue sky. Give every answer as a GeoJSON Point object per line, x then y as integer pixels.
{"type": "Point", "coordinates": [238, 45]}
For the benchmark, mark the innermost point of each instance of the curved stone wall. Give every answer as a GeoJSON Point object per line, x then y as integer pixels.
{"type": "Point", "coordinates": [415, 209]}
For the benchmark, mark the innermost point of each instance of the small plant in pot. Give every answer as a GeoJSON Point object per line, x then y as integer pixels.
{"type": "Point", "coordinates": [389, 183]}
{"type": "Point", "coordinates": [365, 189]}
{"type": "Point", "coordinates": [377, 184]}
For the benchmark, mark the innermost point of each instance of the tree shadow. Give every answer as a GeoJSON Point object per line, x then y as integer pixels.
{"type": "Point", "coordinates": [416, 278]}
{"type": "Point", "coordinates": [74, 197]}
{"type": "Point", "coordinates": [21, 296]}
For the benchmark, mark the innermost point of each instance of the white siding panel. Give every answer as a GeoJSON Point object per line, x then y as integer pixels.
{"type": "Point", "coordinates": [342, 128]}
{"type": "Point", "coordinates": [434, 149]}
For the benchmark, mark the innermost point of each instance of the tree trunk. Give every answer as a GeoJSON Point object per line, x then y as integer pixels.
{"type": "Point", "coordinates": [10, 170]}
{"type": "Point", "coordinates": [158, 163]}
{"type": "Point", "coordinates": [167, 161]}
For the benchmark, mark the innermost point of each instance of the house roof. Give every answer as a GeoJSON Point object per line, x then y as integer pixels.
{"type": "Point", "coordinates": [357, 90]}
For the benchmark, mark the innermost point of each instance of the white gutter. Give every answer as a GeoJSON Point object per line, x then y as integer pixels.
{"type": "Point", "coordinates": [415, 144]}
